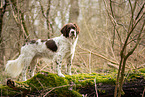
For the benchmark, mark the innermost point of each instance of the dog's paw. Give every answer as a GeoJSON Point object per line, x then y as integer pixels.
{"type": "Point", "coordinates": [61, 75]}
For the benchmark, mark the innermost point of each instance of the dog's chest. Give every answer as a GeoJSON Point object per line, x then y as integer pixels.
{"type": "Point", "coordinates": [65, 47]}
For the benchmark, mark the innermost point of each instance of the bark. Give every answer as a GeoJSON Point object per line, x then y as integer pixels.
{"type": "Point", "coordinates": [20, 20]}
{"type": "Point", "coordinates": [47, 17]}
{"type": "Point", "coordinates": [132, 88]}
{"type": "Point", "coordinates": [74, 11]}
{"type": "Point", "coordinates": [2, 12]}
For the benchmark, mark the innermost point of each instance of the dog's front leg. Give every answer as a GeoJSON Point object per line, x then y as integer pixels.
{"type": "Point", "coordinates": [26, 63]}
{"type": "Point", "coordinates": [58, 63]}
{"type": "Point", "coordinates": [33, 66]}
{"type": "Point", "coordinates": [69, 62]}
{"type": "Point", "coordinates": [24, 73]}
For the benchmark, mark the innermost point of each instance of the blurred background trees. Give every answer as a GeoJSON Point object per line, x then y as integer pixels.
{"type": "Point", "coordinates": [104, 26]}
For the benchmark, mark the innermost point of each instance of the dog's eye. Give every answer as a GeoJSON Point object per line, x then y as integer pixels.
{"type": "Point", "coordinates": [73, 27]}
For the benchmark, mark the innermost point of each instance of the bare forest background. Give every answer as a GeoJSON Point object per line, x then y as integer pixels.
{"type": "Point", "coordinates": [110, 30]}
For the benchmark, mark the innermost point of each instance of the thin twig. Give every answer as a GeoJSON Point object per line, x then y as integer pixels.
{"type": "Point", "coordinates": [140, 12]}
{"type": "Point", "coordinates": [114, 23]}
{"type": "Point", "coordinates": [90, 35]}
{"type": "Point", "coordinates": [40, 83]}
{"type": "Point", "coordinates": [35, 87]}
{"type": "Point", "coordinates": [143, 92]}
{"type": "Point", "coordinates": [114, 66]}
{"type": "Point", "coordinates": [140, 66]}
{"type": "Point", "coordinates": [96, 87]}
{"type": "Point", "coordinates": [42, 10]}
{"type": "Point", "coordinates": [55, 88]}
{"type": "Point", "coordinates": [90, 58]}
{"type": "Point", "coordinates": [94, 53]}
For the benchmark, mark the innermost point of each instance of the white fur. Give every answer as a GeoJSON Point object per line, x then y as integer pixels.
{"type": "Point", "coordinates": [30, 52]}
{"type": "Point", "coordinates": [14, 67]}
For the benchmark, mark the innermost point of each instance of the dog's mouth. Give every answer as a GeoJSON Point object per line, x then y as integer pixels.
{"type": "Point", "coordinates": [73, 37]}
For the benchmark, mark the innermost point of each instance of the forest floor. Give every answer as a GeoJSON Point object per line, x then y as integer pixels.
{"type": "Point", "coordinates": [78, 85]}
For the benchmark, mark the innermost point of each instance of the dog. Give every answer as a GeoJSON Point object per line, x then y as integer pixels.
{"type": "Point", "coordinates": [56, 49]}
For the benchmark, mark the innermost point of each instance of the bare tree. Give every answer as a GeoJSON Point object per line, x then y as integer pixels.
{"type": "Point", "coordinates": [135, 20]}
{"type": "Point", "coordinates": [74, 11]}
{"type": "Point", "coordinates": [20, 20]}
{"type": "Point", "coordinates": [3, 6]}
{"type": "Point", "coordinates": [123, 54]}
{"type": "Point", "coordinates": [47, 17]}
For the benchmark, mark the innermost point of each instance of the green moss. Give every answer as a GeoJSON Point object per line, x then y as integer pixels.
{"type": "Point", "coordinates": [5, 90]}
{"type": "Point", "coordinates": [85, 79]}
{"type": "Point", "coordinates": [63, 92]}
{"type": "Point", "coordinates": [142, 70]}
{"type": "Point", "coordinates": [48, 81]}
{"type": "Point", "coordinates": [134, 76]}
{"type": "Point", "coordinates": [45, 80]}
{"type": "Point", "coordinates": [59, 86]}
{"type": "Point", "coordinates": [101, 91]}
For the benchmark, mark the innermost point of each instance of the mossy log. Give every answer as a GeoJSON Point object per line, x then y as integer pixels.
{"type": "Point", "coordinates": [51, 85]}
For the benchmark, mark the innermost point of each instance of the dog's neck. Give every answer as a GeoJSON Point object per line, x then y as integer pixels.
{"type": "Point", "coordinates": [70, 40]}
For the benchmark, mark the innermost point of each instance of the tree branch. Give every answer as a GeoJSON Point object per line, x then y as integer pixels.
{"type": "Point", "coordinates": [42, 10]}
{"type": "Point", "coordinates": [140, 11]}
{"type": "Point", "coordinates": [94, 53]}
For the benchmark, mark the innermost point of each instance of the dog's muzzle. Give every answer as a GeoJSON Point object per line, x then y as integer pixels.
{"type": "Point", "coordinates": [72, 33]}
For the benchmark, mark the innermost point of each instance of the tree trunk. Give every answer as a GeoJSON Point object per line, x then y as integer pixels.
{"type": "Point", "coordinates": [74, 11]}
{"type": "Point", "coordinates": [2, 12]}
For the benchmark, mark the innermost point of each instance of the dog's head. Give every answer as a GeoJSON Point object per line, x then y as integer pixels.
{"type": "Point", "coordinates": [70, 30]}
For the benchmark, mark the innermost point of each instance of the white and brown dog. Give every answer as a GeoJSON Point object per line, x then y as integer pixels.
{"type": "Point", "coordinates": [56, 49]}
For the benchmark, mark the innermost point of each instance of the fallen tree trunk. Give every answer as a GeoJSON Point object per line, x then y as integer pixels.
{"type": "Point", "coordinates": [132, 88]}
{"type": "Point", "coordinates": [51, 85]}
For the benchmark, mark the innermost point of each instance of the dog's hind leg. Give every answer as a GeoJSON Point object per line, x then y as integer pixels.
{"type": "Point", "coordinates": [33, 66]}
{"type": "Point", "coordinates": [27, 62]}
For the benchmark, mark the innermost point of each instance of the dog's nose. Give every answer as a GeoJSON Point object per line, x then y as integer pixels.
{"type": "Point", "coordinates": [72, 32]}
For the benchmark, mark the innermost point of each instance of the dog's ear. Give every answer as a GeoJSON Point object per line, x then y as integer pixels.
{"type": "Point", "coordinates": [64, 31]}
{"type": "Point", "coordinates": [77, 28]}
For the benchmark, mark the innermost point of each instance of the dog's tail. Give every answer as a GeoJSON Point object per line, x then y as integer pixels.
{"type": "Point", "coordinates": [14, 67]}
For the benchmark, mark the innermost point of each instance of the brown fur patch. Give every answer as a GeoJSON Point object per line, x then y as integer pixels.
{"type": "Point", "coordinates": [51, 45]}
{"type": "Point", "coordinates": [66, 28]}
{"type": "Point", "coordinates": [77, 28]}
{"type": "Point", "coordinates": [32, 41]}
